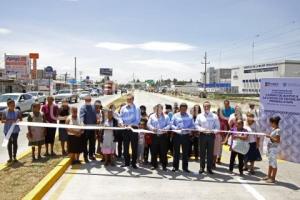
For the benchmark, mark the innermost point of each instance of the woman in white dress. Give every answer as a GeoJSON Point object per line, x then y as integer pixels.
{"type": "Point", "coordinates": [109, 145]}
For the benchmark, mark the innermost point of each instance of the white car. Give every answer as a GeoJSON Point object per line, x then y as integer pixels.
{"type": "Point", "coordinates": [38, 97]}
{"type": "Point", "coordinates": [84, 94]}
{"type": "Point", "coordinates": [66, 94]}
{"type": "Point", "coordinates": [23, 101]}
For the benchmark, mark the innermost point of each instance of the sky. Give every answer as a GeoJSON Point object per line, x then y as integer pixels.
{"type": "Point", "coordinates": [149, 39]}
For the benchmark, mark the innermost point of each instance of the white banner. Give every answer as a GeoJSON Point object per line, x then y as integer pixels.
{"type": "Point", "coordinates": [281, 97]}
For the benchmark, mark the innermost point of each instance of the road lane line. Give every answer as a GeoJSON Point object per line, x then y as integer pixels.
{"type": "Point", "coordinates": [251, 190]}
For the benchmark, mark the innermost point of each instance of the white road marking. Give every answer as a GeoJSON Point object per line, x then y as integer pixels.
{"type": "Point", "coordinates": [251, 190]}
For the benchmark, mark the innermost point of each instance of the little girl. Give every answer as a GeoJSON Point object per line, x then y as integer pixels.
{"type": "Point", "coordinates": [109, 145]}
{"type": "Point", "coordinates": [36, 135]}
{"type": "Point", "coordinates": [273, 145]}
{"type": "Point", "coordinates": [141, 142]}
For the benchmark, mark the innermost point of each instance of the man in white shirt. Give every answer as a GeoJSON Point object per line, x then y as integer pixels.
{"type": "Point", "coordinates": [206, 123]}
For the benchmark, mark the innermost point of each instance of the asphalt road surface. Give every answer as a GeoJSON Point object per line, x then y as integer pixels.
{"type": "Point", "coordinates": [23, 141]}
{"type": "Point", "coordinates": [95, 181]}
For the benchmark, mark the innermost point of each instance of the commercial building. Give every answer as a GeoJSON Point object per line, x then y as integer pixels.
{"type": "Point", "coordinates": [220, 75]}
{"type": "Point", "coordinates": [246, 79]}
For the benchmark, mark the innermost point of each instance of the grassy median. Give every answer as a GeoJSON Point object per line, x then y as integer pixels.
{"type": "Point", "coordinates": [20, 178]}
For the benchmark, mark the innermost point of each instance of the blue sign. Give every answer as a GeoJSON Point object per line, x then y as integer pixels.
{"type": "Point", "coordinates": [72, 81]}
{"type": "Point", "coordinates": [48, 71]}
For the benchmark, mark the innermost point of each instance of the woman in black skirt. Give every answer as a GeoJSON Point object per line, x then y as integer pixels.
{"type": "Point", "coordinates": [254, 140]}
{"type": "Point", "coordinates": [75, 137]}
{"type": "Point", "coordinates": [63, 113]}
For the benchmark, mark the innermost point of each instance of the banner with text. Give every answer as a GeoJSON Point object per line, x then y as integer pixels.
{"type": "Point", "coordinates": [281, 97]}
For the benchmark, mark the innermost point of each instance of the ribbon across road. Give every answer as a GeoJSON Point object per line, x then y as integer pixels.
{"type": "Point", "coordinates": [95, 127]}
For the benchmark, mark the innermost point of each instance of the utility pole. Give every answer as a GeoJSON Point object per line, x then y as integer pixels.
{"type": "Point", "coordinates": [205, 64]}
{"type": "Point", "coordinates": [75, 69]}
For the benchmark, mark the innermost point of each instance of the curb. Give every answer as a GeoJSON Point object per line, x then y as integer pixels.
{"type": "Point", "coordinates": [22, 155]}
{"type": "Point", "coordinates": [48, 181]}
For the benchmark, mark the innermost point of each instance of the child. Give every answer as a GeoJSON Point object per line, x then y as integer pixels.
{"type": "Point", "coordinates": [236, 136]}
{"type": "Point", "coordinates": [36, 135]}
{"type": "Point", "coordinates": [10, 116]}
{"type": "Point", "coordinates": [109, 145]}
{"type": "Point", "coordinates": [75, 137]}
{"type": "Point", "coordinates": [273, 149]}
{"type": "Point", "coordinates": [141, 142]}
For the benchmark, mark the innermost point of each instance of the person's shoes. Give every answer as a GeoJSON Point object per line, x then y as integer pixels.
{"type": "Point", "coordinates": [92, 158]}
{"type": "Point", "coordinates": [201, 171]}
{"type": "Point", "coordinates": [74, 162]}
{"type": "Point", "coordinates": [174, 169]}
{"type": "Point", "coordinates": [86, 160]}
{"type": "Point", "coordinates": [252, 172]}
{"type": "Point", "coordinates": [265, 178]}
{"type": "Point", "coordinates": [186, 170]}
{"type": "Point", "coordinates": [241, 174]}
{"type": "Point", "coordinates": [53, 154]}
{"type": "Point", "coordinates": [124, 165]}
{"type": "Point", "coordinates": [210, 171]}
{"type": "Point", "coordinates": [134, 167]}
{"type": "Point", "coordinates": [78, 162]}
{"type": "Point", "coordinates": [10, 160]}
{"type": "Point", "coordinates": [231, 172]}
{"type": "Point", "coordinates": [39, 157]}
{"type": "Point", "coordinates": [46, 154]}
{"type": "Point", "coordinates": [153, 168]}
{"type": "Point", "coordinates": [15, 159]}
{"type": "Point", "coordinates": [165, 169]}
{"type": "Point", "coordinates": [270, 180]}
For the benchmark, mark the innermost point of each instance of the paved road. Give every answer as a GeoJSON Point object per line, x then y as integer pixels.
{"type": "Point", "coordinates": [95, 181]}
{"type": "Point", "coordinates": [23, 141]}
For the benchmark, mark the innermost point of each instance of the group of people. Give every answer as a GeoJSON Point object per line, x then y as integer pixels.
{"type": "Point", "coordinates": [175, 131]}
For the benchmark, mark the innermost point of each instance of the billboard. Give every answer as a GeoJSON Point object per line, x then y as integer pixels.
{"type": "Point", "coordinates": [105, 71]}
{"type": "Point", "coordinates": [281, 97]}
{"type": "Point", "coordinates": [48, 72]}
{"type": "Point", "coordinates": [17, 66]}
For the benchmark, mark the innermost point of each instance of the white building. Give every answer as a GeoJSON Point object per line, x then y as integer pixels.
{"type": "Point", "coordinates": [246, 79]}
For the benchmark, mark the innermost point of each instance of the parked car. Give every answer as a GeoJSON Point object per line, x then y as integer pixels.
{"type": "Point", "coordinates": [95, 93]}
{"type": "Point", "coordinates": [83, 94]}
{"type": "Point", "coordinates": [123, 91]}
{"type": "Point", "coordinates": [38, 96]}
{"type": "Point", "coordinates": [23, 101]}
{"type": "Point", "coordinates": [66, 94]}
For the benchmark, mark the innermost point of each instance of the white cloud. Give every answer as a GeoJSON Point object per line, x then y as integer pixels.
{"type": "Point", "coordinates": [4, 31]}
{"type": "Point", "coordinates": [114, 46]}
{"type": "Point", "coordinates": [148, 46]}
{"type": "Point", "coordinates": [166, 46]}
{"type": "Point", "coordinates": [161, 64]}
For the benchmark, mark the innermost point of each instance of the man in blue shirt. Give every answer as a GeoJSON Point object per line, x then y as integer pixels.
{"type": "Point", "coordinates": [88, 116]}
{"type": "Point", "coordinates": [130, 117]}
{"type": "Point", "coordinates": [182, 120]}
{"type": "Point", "coordinates": [207, 123]}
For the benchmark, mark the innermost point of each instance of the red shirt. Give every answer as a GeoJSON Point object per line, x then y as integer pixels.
{"type": "Point", "coordinates": [50, 116]}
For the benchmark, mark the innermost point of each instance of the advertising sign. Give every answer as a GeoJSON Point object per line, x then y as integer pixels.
{"type": "Point", "coordinates": [18, 66]}
{"type": "Point", "coordinates": [48, 72]}
{"type": "Point", "coordinates": [281, 97]}
{"type": "Point", "coordinates": [105, 71]}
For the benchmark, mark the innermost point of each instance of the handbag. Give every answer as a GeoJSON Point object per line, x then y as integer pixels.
{"type": "Point", "coordinates": [240, 146]}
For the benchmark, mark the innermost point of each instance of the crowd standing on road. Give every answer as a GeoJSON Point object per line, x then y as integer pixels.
{"type": "Point", "coordinates": [175, 131]}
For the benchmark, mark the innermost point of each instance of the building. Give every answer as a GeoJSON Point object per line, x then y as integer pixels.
{"type": "Point", "coordinates": [220, 75]}
{"type": "Point", "coordinates": [246, 79]}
